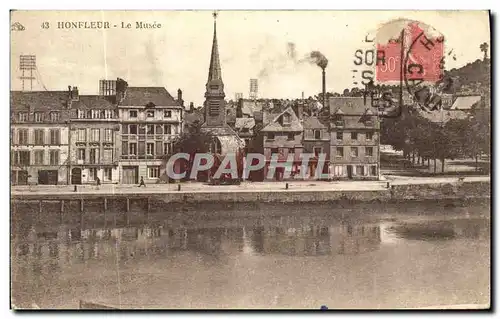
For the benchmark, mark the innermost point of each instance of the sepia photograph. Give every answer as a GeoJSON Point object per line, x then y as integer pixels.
{"type": "Point", "coordinates": [222, 160]}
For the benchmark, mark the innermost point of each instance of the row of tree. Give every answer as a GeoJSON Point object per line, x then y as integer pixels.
{"type": "Point", "coordinates": [421, 139]}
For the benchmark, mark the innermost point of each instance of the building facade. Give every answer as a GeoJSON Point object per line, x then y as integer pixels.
{"type": "Point", "coordinates": [39, 137]}
{"type": "Point", "coordinates": [94, 139]}
{"type": "Point", "coordinates": [151, 121]}
{"type": "Point", "coordinates": [354, 139]}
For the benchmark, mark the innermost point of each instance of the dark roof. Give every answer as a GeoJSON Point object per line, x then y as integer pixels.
{"type": "Point", "coordinates": [94, 102]}
{"type": "Point", "coordinates": [41, 101]}
{"type": "Point", "coordinates": [140, 96]}
{"type": "Point", "coordinates": [351, 105]}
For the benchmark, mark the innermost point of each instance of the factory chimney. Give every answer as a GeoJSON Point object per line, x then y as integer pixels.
{"type": "Point", "coordinates": [323, 77]}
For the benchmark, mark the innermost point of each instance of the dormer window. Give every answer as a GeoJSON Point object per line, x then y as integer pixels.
{"type": "Point", "coordinates": [167, 114]}
{"type": "Point", "coordinates": [54, 116]}
{"type": "Point", "coordinates": [132, 113]}
{"type": "Point", "coordinates": [38, 117]}
{"type": "Point", "coordinates": [286, 119]}
{"type": "Point", "coordinates": [23, 117]}
{"type": "Point", "coordinates": [150, 113]}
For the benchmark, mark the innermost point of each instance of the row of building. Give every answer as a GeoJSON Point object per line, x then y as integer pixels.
{"type": "Point", "coordinates": [62, 137]}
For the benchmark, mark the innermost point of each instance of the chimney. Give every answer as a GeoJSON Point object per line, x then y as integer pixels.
{"type": "Point", "coordinates": [191, 107]}
{"type": "Point", "coordinates": [121, 90]}
{"type": "Point", "coordinates": [323, 78]}
{"type": "Point", "coordinates": [69, 97]}
{"type": "Point", "coordinates": [179, 97]}
{"type": "Point", "coordinates": [74, 94]}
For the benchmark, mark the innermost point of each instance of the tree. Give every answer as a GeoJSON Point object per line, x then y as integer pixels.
{"type": "Point", "coordinates": [484, 48]}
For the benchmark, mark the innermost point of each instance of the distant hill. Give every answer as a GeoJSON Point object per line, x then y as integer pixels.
{"type": "Point", "coordinates": [473, 77]}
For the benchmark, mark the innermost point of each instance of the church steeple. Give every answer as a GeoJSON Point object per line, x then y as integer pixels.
{"type": "Point", "coordinates": [214, 71]}
{"type": "Point", "coordinates": [215, 106]}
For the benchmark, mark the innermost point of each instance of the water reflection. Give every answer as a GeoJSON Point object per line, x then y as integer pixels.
{"type": "Point", "coordinates": [223, 251]}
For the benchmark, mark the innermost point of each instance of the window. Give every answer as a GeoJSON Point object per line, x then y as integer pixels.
{"type": "Point", "coordinates": [38, 117]}
{"type": "Point", "coordinates": [153, 171]}
{"type": "Point", "coordinates": [373, 170]}
{"type": "Point", "coordinates": [354, 135]}
{"type": "Point", "coordinates": [270, 136]}
{"type": "Point", "coordinates": [291, 136]}
{"type": "Point", "coordinates": [124, 129]}
{"type": "Point", "coordinates": [108, 114]}
{"type": "Point", "coordinates": [369, 136]}
{"type": "Point", "coordinates": [360, 170]}
{"type": "Point", "coordinates": [286, 119]}
{"type": "Point", "coordinates": [150, 129]}
{"type": "Point", "coordinates": [54, 157]}
{"type": "Point", "coordinates": [80, 114]}
{"type": "Point", "coordinates": [132, 148]}
{"type": "Point", "coordinates": [150, 148]}
{"type": "Point", "coordinates": [89, 114]}
{"type": "Point", "coordinates": [132, 113]}
{"type": "Point", "coordinates": [317, 151]}
{"type": "Point", "coordinates": [339, 136]}
{"type": "Point", "coordinates": [369, 151]}
{"type": "Point", "coordinates": [338, 170]}
{"type": "Point", "coordinates": [108, 174]}
{"type": "Point", "coordinates": [54, 116]}
{"type": "Point", "coordinates": [96, 114]}
{"type": "Point", "coordinates": [94, 155]}
{"type": "Point", "coordinates": [166, 148]}
{"type": "Point", "coordinates": [167, 128]}
{"type": "Point", "coordinates": [94, 135]}
{"type": "Point", "coordinates": [317, 134]}
{"type": "Point", "coordinates": [354, 151]}
{"type": "Point", "coordinates": [150, 113]}
{"type": "Point", "coordinates": [39, 137]}
{"type": "Point", "coordinates": [24, 157]}
{"type": "Point", "coordinates": [82, 135]}
{"type": "Point", "coordinates": [92, 174]}
{"type": "Point", "coordinates": [23, 117]}
{"type": "Point", "coordinates": [108, 135]}
{"type": "Point", "coordinates": [81, 154]}
{"type": "Point", "coordinates": [39, 157]}
{"type": "Point", "coordinates": [107, 155]}
{"type": "Point", "coordinates": [159, 129]}
{"type": "Point", "coordinates": [132, 129]}
{"type": "Point", "coordinates": [167, 113]}
{"type": "Point", "coordinates": [340, 152]}
{"type": "Point", "coordinates": [274, 151]}
{"type": "Point", "coordinates": [213, 108]}
{"type": "Point", "coordinates": [22, 136]}
{"type": "Point", "coordinates": [291, 151]}
{"type": "Point", "coordinates": [55, 137]}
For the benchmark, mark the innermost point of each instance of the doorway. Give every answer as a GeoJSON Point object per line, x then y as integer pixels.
{"type": "Point", "coordinates": [130, 175]}
{"type": "Point", "coordinates": [76, 176]}
{"type": "Point", "coordinates": [349, 171]}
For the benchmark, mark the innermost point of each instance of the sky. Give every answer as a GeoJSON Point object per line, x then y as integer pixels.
{"type": "Point", "coordinates": [252, 44]}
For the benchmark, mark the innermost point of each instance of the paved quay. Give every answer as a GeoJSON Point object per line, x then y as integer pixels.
{"type": "Point", "coordinates": [245, 187]}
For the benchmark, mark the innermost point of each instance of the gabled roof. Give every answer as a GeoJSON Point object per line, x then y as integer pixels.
{"type": "Point", "coordinates": [41, 101]}
{"type": "Point", "coordinates": [141, 96]}
{"type": "Point", "coordinates": [274, 126]}
{"type": "Point", "coordinates": [350, 105]}
{"type": "Point", "coordinates": [465, 102]}
{"type": "Point", "coordinates": [312, 122]}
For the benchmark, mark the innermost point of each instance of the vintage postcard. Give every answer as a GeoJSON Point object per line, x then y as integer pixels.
{"type": "Point", "coordinates": [250, 159]}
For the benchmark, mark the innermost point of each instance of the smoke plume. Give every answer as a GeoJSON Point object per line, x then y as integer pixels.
{"type": "Point", "coordinates": [318, 58]}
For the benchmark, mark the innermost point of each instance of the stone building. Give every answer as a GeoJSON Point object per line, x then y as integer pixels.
{"type": "Point", "coordinates": [354, 139]}
{"type": "Point", "coordinates": [151, 121]}
{"type": "Point", "coordinates": [94, 139]}
{"type": "Point", "coordinates": [39, 137]}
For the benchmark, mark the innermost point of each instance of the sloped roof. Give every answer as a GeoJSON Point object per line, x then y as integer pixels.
{"type": "Point", "coordinates": [230, 144]}
{"type": "Point", "coordinates": [249, 107]}
{"type": "Point", "coordinates": [351, 105]}
{"type": "Point", "coordinates": [465, 102]}
{"type": "Point", "coordinates": [94, 102]}
{"type": "Point", "coordinates": [248, 123]}
{"type": "Point", "coordinates": [140, 96]}
{"type": "Point", "coordinates": [274, 126]}
{"type": "Point", "coordinates": [312, 122]}
{"type": "Point", "coordinates": [38, 100]}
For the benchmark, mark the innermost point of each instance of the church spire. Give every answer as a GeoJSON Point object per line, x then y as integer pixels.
{"type": "Point", "coordinates": [214, 71]}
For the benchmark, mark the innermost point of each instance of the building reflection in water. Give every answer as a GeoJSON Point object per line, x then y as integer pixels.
{"type": "Point", "coordinates": [47, 252]}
